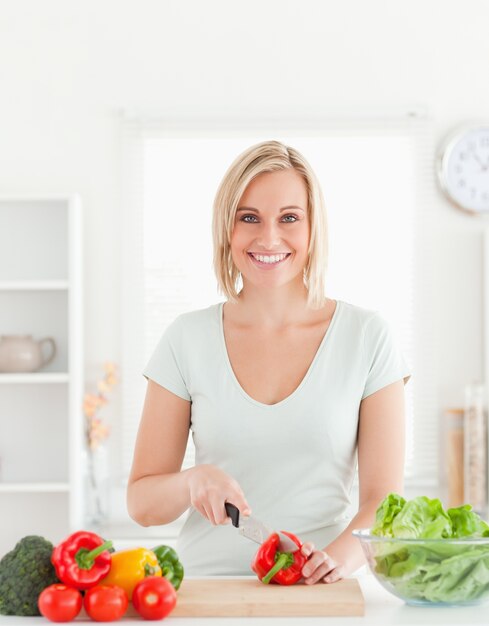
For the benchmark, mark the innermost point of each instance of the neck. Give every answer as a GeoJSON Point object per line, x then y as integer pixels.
{"type": "Point", "coordinates": [272, 308]}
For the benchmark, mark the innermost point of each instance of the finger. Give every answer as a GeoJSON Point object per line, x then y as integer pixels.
{"type": "Point", "coordinates": [244, 507]}
{"type": "Point", "coordinates": [319, 573]}
{"type": "Point", "coordinates": [240, 503]}
{"type": "Point", "coordinates": [218, 510]}
{"type": "Point", "coordinates": [316, 560]}
{"type": "Point", "coordinates": [333, 576]}
{"type": "Point", "coordinates": [208, 513]}
{"type": "Point", "coordinates": [307, 548]}
{"type": "Point", "coordinates": [201, 510]}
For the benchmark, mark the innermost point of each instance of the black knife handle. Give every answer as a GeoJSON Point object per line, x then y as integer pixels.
{"type": "Point", "coordinates": [233, 513]}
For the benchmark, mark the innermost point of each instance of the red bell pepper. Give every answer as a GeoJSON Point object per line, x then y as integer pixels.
{"type": "Point", "coordinates": [82, 559]}
{"type": "Point", "coordinates": [283, 568]}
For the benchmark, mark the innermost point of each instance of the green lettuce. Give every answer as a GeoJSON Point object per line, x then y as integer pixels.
{"type": "Point", "coordinates": [422, 518]}
{"type": "Point", "coordinates": [385, 514]}
{"type": "Point", "coordinates": [435, 571]}
{"type": "Point", "coordinates": [466, 523]}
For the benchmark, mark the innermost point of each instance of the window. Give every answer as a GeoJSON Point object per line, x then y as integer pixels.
{"type": "Point", "coordinates": [376, 179]}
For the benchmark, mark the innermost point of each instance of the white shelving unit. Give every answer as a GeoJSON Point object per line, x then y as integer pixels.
{"type": "Point", "coordinates": [33, 285]}
{"type": "Point", "coordinates": [53, 377]}
{"type": "Point", "coordinates": [41, 421]}
{"type": "Point", "coordinates": [35, 488]}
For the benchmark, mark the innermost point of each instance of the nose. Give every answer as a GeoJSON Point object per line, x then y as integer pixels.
{"type": "Point", "coordinates": [268, 236]}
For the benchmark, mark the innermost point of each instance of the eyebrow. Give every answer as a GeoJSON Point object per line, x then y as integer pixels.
{"type": "Point", "coordinates": [285, 208]}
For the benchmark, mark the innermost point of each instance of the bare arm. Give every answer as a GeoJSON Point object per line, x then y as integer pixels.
{"type": "Point", "coordinates": [381, 441]}
{"type": "Point", "coordinates": [158, 491]}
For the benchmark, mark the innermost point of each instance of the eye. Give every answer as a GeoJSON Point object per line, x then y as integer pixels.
{"type": "Point", "coordinates": [249, 219]}
{"type": "Point", "coordinates": [294, 218]}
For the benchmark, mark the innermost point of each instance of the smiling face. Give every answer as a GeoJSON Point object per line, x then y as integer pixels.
{"type": "Point", "coordinates": [271, 230]}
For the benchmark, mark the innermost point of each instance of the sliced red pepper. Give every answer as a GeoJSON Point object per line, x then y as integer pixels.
{"type": "Point", "coordinates": [272, 565]}
{"type": "Point", "coordinates": [82, 559]}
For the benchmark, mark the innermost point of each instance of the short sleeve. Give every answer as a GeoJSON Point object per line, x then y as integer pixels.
{"type": "Point", "coordinates": [165, 364]}
{"type": "Point", "coordinates": [384, 360]}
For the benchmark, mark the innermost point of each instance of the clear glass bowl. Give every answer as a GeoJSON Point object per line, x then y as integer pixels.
{"type": "Point", "coordinates": [435, 572]}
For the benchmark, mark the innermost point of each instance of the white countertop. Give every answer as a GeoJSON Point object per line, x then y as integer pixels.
{"type": "Point", "coordinates": [381, 608]}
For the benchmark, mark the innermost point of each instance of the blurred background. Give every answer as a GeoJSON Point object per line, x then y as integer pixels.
{"type": "Point", "coordinates": [118, 120]}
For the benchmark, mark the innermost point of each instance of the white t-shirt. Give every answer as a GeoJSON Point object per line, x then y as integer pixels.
{"type": "Point", "coordinates": [295, 460]}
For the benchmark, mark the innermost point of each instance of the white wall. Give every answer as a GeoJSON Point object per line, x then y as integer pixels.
{"type": "Point", "coordinates": [66, 68]}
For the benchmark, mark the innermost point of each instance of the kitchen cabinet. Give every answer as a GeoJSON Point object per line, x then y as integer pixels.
{"type": "Point", "coordinates": [41, 425]}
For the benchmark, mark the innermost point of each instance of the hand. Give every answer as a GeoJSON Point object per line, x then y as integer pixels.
{"type": "Point", "coordinates": [319, 566]}
{"type": "Point", "coordinates": [210, 488]}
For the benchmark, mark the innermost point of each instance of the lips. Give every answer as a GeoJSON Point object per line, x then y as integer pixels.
{"type": "Point", "coordinates": [268, 260]}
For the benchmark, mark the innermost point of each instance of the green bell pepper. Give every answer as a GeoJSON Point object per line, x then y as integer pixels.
{"type": "Point", "coordinates": [171, 568]}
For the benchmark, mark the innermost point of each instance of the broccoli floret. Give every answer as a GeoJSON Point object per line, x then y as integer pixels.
{"type": "Point", "coordinates": [24, 572]}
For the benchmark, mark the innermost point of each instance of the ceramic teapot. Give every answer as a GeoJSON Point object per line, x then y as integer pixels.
{"type": "Point", "coordinates": [22, 353]}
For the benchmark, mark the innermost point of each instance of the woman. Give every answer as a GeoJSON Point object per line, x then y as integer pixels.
{"type": "Point", "coordinates": [280, 386]}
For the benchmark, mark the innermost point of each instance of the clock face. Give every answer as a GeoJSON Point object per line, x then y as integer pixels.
{"type": "Point", "coordinates": [464, 169]}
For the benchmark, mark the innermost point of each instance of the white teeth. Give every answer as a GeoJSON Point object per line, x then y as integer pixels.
{"type": "Point", "coordinates": [274, 258]}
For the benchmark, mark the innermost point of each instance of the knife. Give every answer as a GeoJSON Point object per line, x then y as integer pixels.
{"type": "Point", "coordinates": [251, 528]}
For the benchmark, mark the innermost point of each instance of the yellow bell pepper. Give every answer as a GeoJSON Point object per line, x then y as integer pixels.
{"type": "Point", "coordinates": [128, 567]}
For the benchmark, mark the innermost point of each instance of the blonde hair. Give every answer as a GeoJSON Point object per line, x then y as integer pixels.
{"type": "Point", "coordinates": [268, 156]}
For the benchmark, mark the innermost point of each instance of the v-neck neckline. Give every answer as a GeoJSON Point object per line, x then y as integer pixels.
{"type": "Point", "coordinates": [306, 375]}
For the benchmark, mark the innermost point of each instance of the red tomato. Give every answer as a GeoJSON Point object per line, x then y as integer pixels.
{"type": "Point", "coordinates": [60, 603]}
{"type": "Point", "coordinates": [105, 603]}
{"type": "Point", "coordinates": [154, 597]}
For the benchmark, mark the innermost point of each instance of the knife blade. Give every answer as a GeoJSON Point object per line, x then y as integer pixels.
{"type": "Point", "coordinates": [254, 529]}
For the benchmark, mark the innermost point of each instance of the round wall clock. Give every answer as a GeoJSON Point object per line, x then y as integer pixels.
{"type": "Point", "coordinates": [463, 168]}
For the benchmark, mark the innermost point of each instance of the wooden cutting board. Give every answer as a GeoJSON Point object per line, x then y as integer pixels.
{"type": "Point", "coordinates": [249, 597]}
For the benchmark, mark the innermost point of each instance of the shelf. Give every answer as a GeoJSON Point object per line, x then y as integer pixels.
{"type": "Point", "coordinates": [34, 487]}
{"type": "Point", "coordinates": [35, 377]}
{"type": "Point", "coordinates": [42, 434]}
{"type": "Point", "coordinates": [33, 285]}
